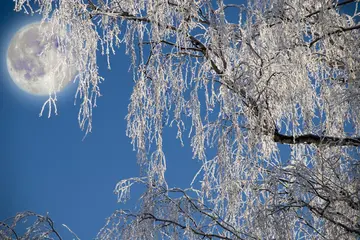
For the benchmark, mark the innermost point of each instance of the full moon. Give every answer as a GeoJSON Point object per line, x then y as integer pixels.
{"type": "Point", "coordinates": [37, 67]}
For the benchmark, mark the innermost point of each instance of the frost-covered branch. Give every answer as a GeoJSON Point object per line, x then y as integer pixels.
{"type": "Point", "coordinates": [315, 139]}
{"type": "Point", "coordinates": [38, 227]}
{"type": "Point", "coordinates": [189, 218]}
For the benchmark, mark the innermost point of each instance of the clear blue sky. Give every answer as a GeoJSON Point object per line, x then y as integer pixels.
{"type": "Point", "coordinates": [44, 164]}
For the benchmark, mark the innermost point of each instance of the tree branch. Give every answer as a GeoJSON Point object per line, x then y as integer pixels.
{"type": "Point", "coordinates": [341, 29]}
{"type": "Point", "coordinates": [8, 227]}
{"type": "Point", "coordinates": [315, 139]}
{"type": "Point", "coordinates": [330, 7]}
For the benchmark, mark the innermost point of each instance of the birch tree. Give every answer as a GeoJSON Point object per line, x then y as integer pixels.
{"type": "Point", "coordinates": [246, 78]}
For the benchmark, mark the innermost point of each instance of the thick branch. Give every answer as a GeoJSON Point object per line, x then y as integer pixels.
{"type": "Point", "coordinates": [315, 139]}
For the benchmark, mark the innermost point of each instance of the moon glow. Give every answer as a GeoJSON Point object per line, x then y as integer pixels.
{"type": "Point", "coordinates": [36, 67]}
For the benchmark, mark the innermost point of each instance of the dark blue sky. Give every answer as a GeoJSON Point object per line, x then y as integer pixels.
{"type": "Point", "coordinates": [45, 165]}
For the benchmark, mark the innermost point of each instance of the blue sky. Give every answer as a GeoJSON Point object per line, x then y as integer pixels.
{"type": "Point", "coordinates": [45, 165]}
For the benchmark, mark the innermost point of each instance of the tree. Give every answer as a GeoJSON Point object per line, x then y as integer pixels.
{"type": "Point", "coordinates": [246, 79]}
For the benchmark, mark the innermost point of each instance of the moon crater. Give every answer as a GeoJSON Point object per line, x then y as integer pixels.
{"type": "Point", "coordinates": [36, 66]}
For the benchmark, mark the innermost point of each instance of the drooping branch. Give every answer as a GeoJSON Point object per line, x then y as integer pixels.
{"type": "Point", "coordinates": [193, 217]}
{"type": "Point", "coordinates": [42, 227]}
{"type": "Point", "coordinates": [150, 216]}
{"type": "Point", "coordinates": [7, 226]}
